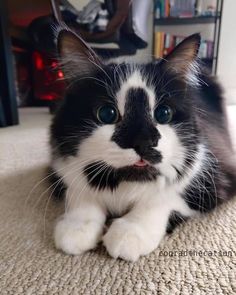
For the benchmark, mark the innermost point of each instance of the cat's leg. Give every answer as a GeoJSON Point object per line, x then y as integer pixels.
{"type": "Point", "coordinates": [138, 232]}
{"type": "Point", "coordinates": [80, 229]}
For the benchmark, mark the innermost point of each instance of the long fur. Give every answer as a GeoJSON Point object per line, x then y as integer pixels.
{"type": "Point", "coordinates": [191, 165]}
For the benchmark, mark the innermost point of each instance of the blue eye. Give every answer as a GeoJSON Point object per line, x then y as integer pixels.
{"type": "Point", "coordinates": [107, 114]}
{"type": "Point", "coordinates": [163, 114]}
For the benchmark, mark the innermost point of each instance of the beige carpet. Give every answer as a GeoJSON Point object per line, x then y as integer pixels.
{"type": "Point", "coordinates": [29, 263]}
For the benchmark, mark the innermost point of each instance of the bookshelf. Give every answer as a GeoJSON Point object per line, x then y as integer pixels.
{"type": "Point", "coordinates": [170, 21]}
{"type": "Point", "coordinates": [163, 42]}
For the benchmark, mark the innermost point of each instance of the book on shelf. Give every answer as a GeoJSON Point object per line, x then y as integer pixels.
{"type": "Point", "coordinates": [165, 42]}
{"type": "Point", "coordinates": [182, 8]}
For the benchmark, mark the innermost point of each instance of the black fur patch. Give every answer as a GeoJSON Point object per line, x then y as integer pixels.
{"type": "Point", "coordinates": [137, 129]}
{"type": "Point", "coordinates": [109, 178]}
{"type": "Point", "coordinates": [76, 118]}
{"type": "Point", "coordinates": [175, 219]}
{"type": "Point", "coordinates": [57, 185]}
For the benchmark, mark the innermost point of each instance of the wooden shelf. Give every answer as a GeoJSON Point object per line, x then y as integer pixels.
{"type": "Point", "coordinates": [169, 21]}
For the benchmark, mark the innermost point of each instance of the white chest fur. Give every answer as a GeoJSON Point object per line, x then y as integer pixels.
{"type": "Point", "coordinates": [144, 209]}
{"type": "Point", "coordinates": [128, 194]}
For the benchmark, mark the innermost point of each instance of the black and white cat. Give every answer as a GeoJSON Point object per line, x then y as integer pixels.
{"type": "Point", "coordinates": [139, 143]}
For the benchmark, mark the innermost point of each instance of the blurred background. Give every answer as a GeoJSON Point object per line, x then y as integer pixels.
{"type": "Point", "coordinates": [141, 29]}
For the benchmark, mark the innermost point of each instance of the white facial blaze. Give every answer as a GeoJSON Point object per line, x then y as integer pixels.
{"type": "Point", "coordinates": [100, 147]}
{"type": "Point", "coordinates": [135, 80]}
{"type": "Point", "coordinates": [172, 151]}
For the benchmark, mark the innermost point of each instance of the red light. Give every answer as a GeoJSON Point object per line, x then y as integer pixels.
{"type": "Point", "coordinates": [38, 60]}
{"type": "Point", "coordinates": [54, 64]}
{"type": "Point", "coordinates": [60, 74]}
{"type": "Point", "coordinates": [48, 96]}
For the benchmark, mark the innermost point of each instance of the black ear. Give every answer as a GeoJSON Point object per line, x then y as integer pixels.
{"type": "Point", "coordinates": [183, 58]}
{"type": "Point", "coordinates": [77, 58]}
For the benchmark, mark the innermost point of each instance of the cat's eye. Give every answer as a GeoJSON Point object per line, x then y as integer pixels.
{"type": "Point", "coordinates": [163, 114]}
{"type": "Point", "coordinates": [108, 114]}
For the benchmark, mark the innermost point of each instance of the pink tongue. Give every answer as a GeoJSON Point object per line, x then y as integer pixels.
{"type": "Point", "coordinates": [140, 163]}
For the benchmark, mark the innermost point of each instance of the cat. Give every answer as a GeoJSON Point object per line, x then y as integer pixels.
{"type": "Point", "coordinates": [141, 143]}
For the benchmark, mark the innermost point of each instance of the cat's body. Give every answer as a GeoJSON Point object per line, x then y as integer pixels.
{"type": "Point", "coordinates": [137, 142]}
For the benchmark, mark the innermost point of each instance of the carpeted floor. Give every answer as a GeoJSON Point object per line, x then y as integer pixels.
{"type": "Point", "coordinates": [29, 263]}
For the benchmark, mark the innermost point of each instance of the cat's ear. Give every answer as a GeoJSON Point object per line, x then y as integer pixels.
{"type": "Point", "coordinates": [77, 58]}
{"type": "Point", "coordinates": [183, 59]}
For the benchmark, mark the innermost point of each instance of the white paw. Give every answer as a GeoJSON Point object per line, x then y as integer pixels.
{"type": "Point", "coordinates": [127, 240]}
{"type": "Point", "coordinates": [75, 237]}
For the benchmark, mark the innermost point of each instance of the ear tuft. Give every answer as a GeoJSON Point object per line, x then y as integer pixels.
{"type": "Point", "coordinates": [77, 58]}
{"type": "Point", "coordinates": [183, 59]}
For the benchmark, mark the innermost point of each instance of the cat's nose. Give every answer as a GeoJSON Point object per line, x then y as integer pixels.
{"type": "Point", "coordinates": [142, 143]}
{"type": "Point", "coordinates": [146, 138]}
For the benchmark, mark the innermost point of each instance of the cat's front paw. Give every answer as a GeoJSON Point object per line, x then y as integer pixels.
{"type": "Point", "coordinates": [127, 240]}
{"type": "Point", "coordinates": [75, 237]}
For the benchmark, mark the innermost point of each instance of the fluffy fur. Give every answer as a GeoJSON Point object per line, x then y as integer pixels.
{"type": "Point", "coordinates": [190, 166]}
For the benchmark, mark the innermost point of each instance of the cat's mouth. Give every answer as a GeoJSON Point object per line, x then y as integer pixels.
{"type": "Point", "coordinates": [141, 163]}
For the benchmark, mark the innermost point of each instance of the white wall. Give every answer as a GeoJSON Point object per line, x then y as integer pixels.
{"type": "Point", "coordinates": [143, 54]}
{"type": "Point", "coordinates": [226, 70]}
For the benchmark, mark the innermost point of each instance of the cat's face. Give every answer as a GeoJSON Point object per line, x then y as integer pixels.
{"type": "Point", "coordinates": [127, 122]}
